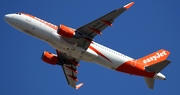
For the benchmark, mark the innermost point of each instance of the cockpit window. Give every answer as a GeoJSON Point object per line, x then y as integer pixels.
{"type": "Point", "coordinates": [18, 13]}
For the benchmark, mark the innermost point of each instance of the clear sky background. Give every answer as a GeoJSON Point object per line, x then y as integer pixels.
{"type": "Point", "coordinates": [147, 26]}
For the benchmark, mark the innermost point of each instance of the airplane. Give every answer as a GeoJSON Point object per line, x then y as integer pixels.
{"type": "Point", "coordinates": [73, 45]}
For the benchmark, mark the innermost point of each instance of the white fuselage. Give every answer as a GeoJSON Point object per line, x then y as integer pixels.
{"type": "Point", "coordinates": [61, 39]}
{"type": "Point", "coordinates": [48, 32]}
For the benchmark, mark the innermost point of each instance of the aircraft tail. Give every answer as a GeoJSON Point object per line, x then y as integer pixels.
{"type": "Point", "coordinates": [149, 82]}
{"type": "Point", "coordinates": [154, 58]}
{"type": "Point", "coordinates": [158, 66]}
{"type": "Point", "coordinates": [155, 62]}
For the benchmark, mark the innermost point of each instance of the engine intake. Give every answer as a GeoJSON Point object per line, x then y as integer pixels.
{"type": "Point", "coordinates": [49, 58]}
{"type": "Point", "coordinates": [65, 31]}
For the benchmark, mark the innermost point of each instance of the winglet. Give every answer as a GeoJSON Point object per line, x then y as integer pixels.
{"type": "Point", "coordinates": [79, 85]}
{"type": "Point", "coordinates": [128, 5]}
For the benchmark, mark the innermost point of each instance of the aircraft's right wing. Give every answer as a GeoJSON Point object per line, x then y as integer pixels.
{"type": "Point", "coordinates": [70, 73]}
{"type": "Point", "coordinates": [69, 66]}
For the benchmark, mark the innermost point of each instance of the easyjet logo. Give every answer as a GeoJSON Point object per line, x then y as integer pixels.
{"type": "Point", "coordinates": [155, 57]}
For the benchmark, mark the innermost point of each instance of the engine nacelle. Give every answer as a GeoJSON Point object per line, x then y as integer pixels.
{"type": "Point", "coordinates": [49, 58]}
{"type": "Point", "coordinates": [65, 31]}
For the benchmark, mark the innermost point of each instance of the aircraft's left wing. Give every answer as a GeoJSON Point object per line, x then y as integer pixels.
{"type": "Point", "coordinates": [69, 66]}
{"type": "Point", "coordinates": [90, 30]}
{"type": "Point", "coordinates": [97, 26]}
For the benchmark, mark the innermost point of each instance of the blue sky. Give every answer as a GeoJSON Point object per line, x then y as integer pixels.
{"type": "Point", "coordinates": [147, 26]}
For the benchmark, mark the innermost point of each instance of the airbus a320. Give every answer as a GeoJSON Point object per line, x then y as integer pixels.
{"type": "Point", "coordinates": [73, 45]}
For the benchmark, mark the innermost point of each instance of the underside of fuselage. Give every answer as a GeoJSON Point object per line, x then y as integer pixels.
{"type": "Point", "coordinates": [73, 45]}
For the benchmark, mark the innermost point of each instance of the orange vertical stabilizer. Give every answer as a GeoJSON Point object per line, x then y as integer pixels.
{"type": "Point", "coordinates": [154, 58]}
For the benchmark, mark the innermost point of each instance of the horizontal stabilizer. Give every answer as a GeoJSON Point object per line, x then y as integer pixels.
{"type": "Point", "coordinates": [149, 82]}
{"type": "Point", "coordinates": [158, 66]}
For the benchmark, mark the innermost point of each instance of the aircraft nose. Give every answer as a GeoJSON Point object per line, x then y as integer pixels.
{"type": "Point", "coordinates": [8, 18]}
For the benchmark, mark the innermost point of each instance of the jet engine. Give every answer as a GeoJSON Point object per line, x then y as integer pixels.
{"type": "Point", "coordinates": [65, 31]}
{"type": "Point", "coordinates": [49, 58]}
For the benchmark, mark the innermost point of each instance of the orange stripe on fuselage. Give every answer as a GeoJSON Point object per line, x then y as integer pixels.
{"type": "Point", "coordinates": [43, 21]}
{"type": "Point", "coordinates": [134, 68]}
{"type": "Point", "coordinates": [99, 53]}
